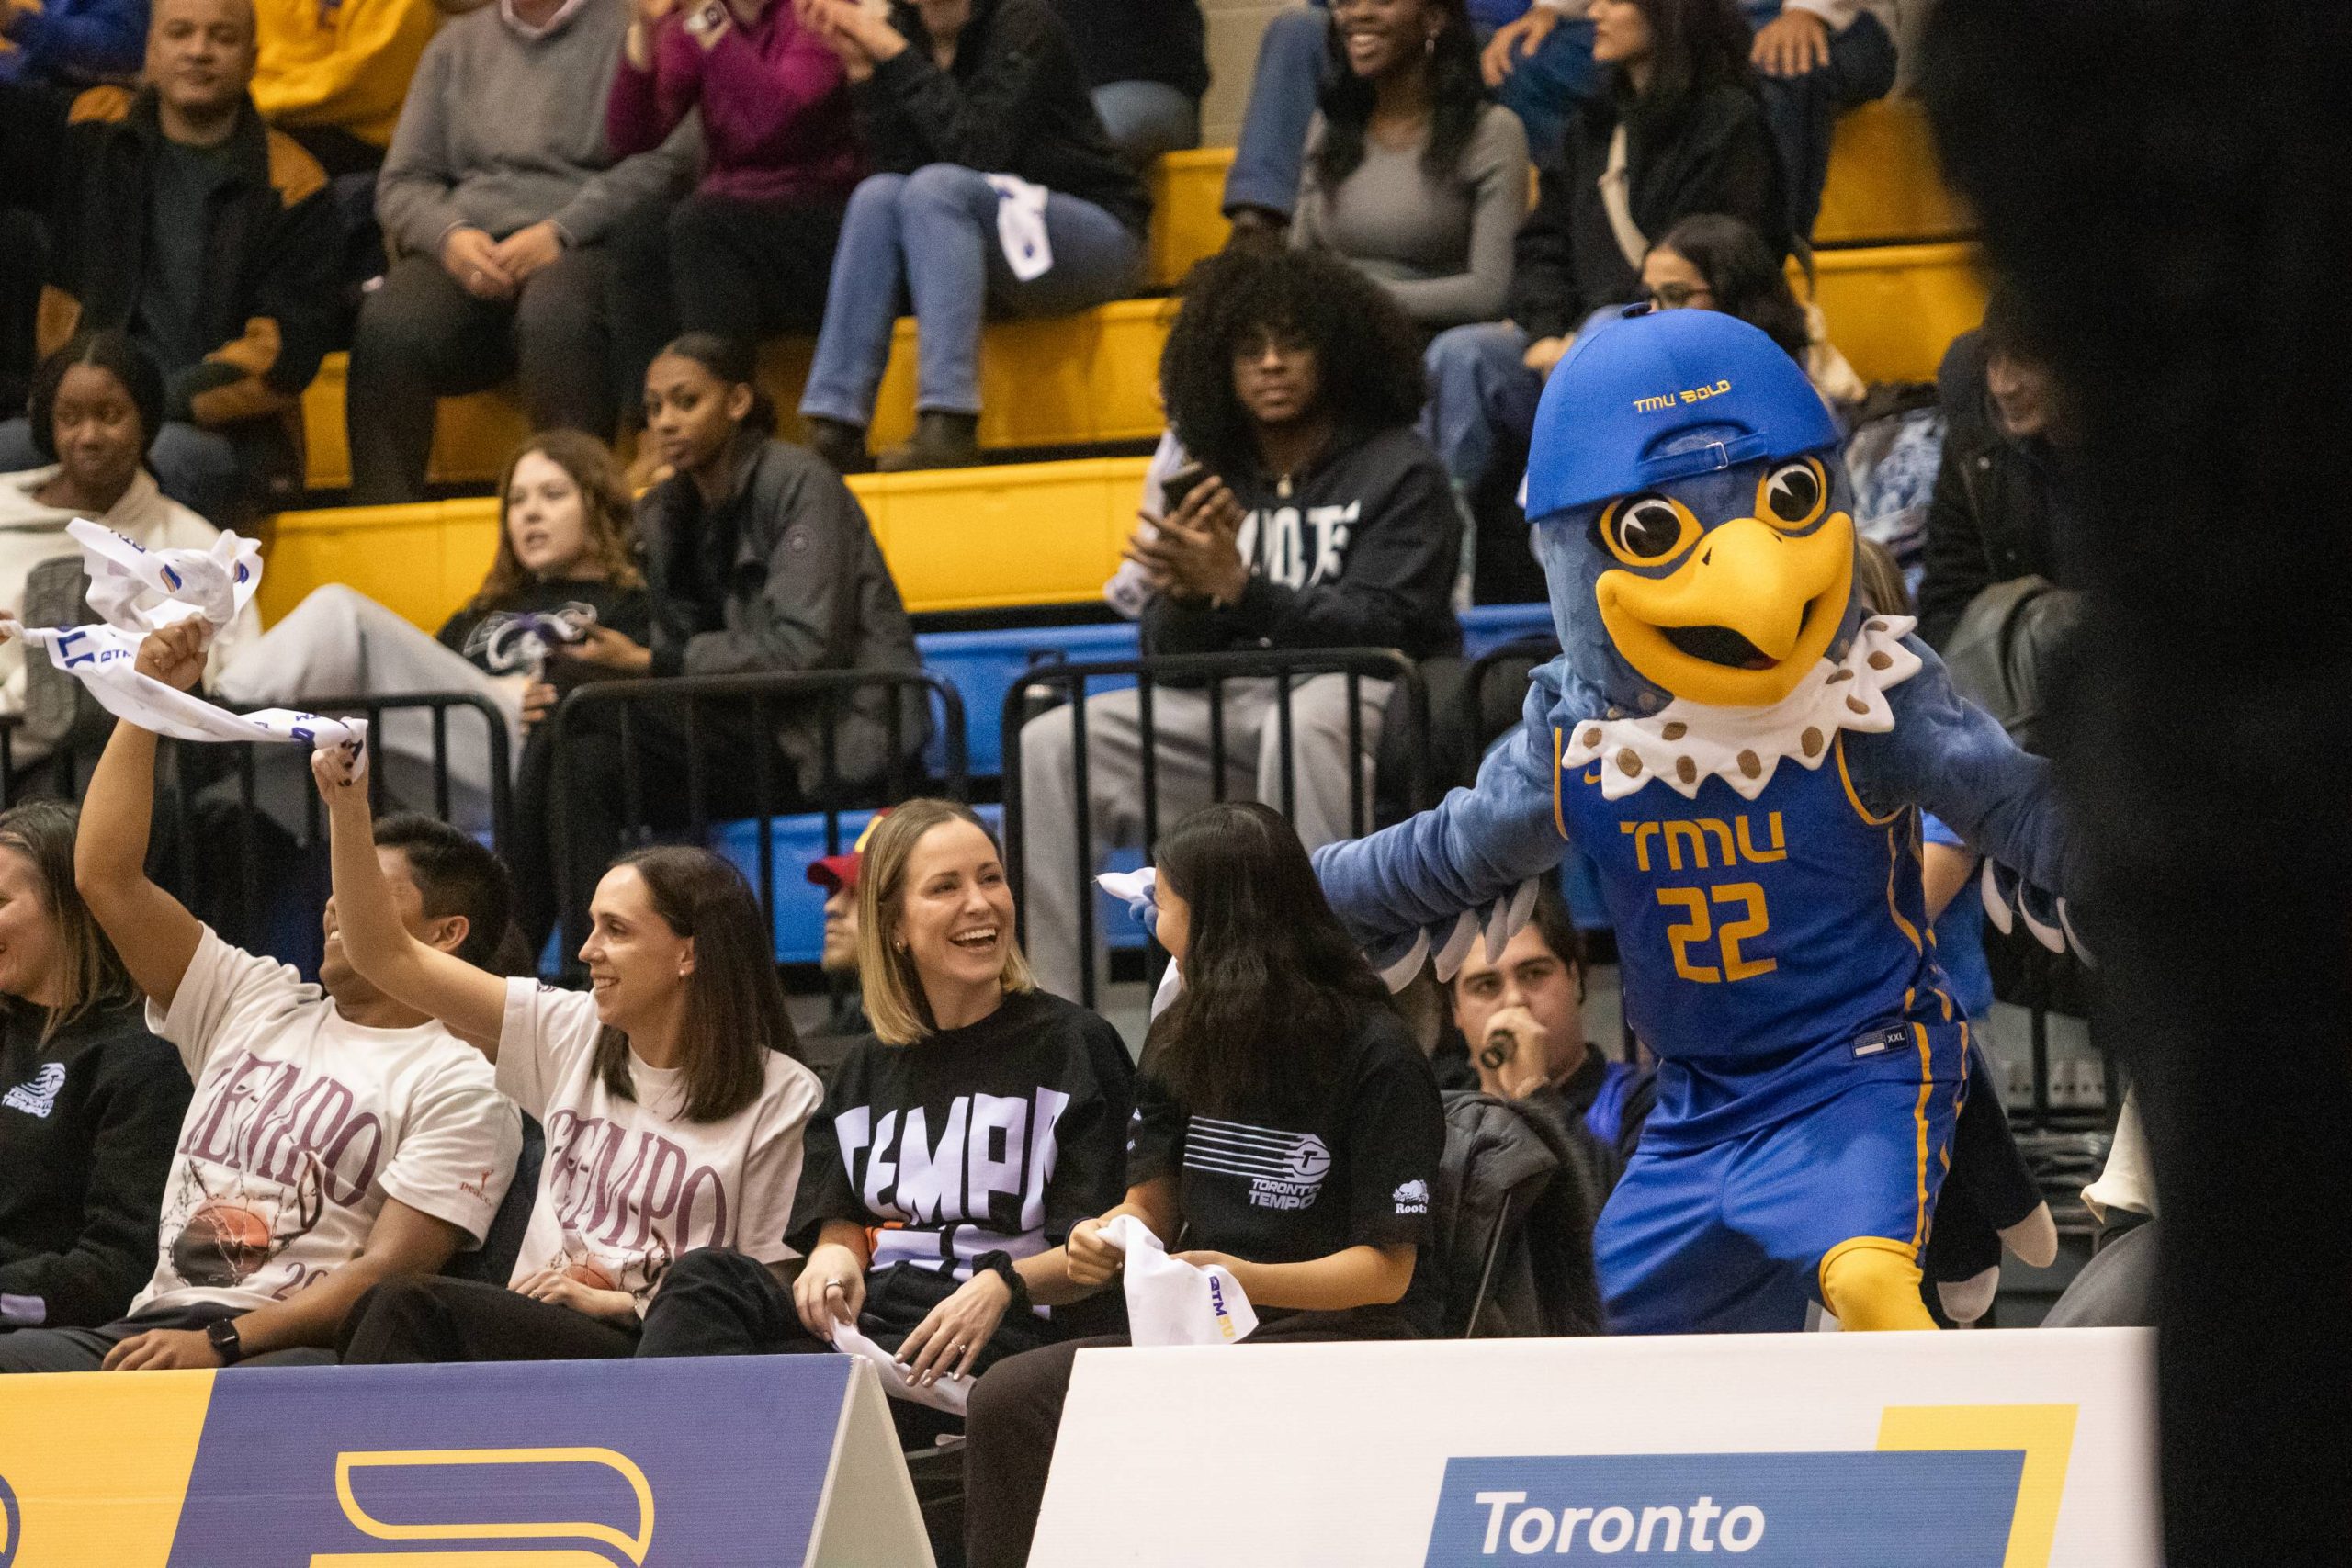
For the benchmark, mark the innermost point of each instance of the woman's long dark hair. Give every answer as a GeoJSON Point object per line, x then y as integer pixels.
{"type": "Point", "coordinates": [1457, 98]}
{"type": "Point", "coordinates": [1696, 46]}
{"type": "Point", "coordinates": [1367, 353]}
{"type": "Point", "coordinates": [734, 1013]}
{"type": "Point", "coordinates": [1744, 276]}
{"type": "Point", "coordinates": [1274, 989]}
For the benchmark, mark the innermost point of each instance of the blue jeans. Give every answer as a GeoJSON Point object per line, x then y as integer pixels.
{"type": "Point", "coordinates": [1480, 391]}
{"type": "Point", "coordinates": [1147, 119]}
{"type": "Point", "coordinates": [931, 236]}
{"type": "Point", "coordinates": [202, 469]}
{"type": "Point", "coordinates": [1544, 91]}
{"type": "Point", "coordinates": [1802, 110]}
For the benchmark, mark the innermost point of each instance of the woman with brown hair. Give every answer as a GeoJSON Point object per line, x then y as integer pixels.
{"type": "Point", "coordinates": [90, 1101]}
{"type": "Point", "coordinates": [671, 1091]}
{"type": "Point", "coordinates": [958, 1142]}
{"type": "Point", "coordinates": [565, 578]}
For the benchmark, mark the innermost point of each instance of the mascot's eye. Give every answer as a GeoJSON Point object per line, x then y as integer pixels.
{"type": "Point", "coordinates": [1793, 494]}
{"type": "Point", "coordinates": [1647, 529]}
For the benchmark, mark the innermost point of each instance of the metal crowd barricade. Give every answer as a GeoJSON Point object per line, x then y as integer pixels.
{"type": "Point", "coordinates": [67, 776]}
{"type": "Point", "coordinates": [767, 695]}
{"type": "Point", "coordinates": [1211, 670]}
{"type": "Point", "coordinates": [1533, 650]}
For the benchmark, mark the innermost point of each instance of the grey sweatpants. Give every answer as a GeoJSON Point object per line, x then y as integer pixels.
{"type": "Point", "coordinates": [1319, 809]}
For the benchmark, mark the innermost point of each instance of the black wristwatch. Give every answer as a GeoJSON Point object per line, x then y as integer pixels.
{"type": "Point", "coordinates": [1000, 1265]}
{"type": "Point", "coordinates": [222, 1334]}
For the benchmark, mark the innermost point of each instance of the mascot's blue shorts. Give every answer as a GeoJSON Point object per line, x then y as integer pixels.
{"type": "Point", "coordinates": [1728, 1239]}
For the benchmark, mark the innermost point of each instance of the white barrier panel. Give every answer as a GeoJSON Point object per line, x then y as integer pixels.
{"type": "Point", "coordinates": [1989, 1450]}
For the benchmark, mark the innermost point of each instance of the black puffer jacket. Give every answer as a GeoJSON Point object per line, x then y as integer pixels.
{"type": "Point", "coordinates": [800, 585]}
{"type": "Point", "coordinates": [1515, 1210]}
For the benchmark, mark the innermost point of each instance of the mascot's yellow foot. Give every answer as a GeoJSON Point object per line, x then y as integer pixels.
{"type": "Point", "coordinates": [1871, 1284]}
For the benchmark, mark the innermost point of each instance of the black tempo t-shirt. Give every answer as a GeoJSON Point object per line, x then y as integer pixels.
{"type": "Point", "coordinates": [996, 1137]}
{"type": "Point", "coordinates": [1357, 1171]}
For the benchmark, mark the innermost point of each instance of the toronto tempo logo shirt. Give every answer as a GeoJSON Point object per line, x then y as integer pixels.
{"type": "Point", "coordinates": [302, 1125]}
{"type": "Point", "coordinates": [996, 1137]}
{"type": "Point", "coordinates": [1275, 1186]}
{"type": "Point", "coordinates": [629, 1184]}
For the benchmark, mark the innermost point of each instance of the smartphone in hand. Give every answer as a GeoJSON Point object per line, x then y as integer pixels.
{"type": "Point", "coordinates": [1177, 486]}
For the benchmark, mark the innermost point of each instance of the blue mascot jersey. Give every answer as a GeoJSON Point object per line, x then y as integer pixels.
{"type": "Point", "coordinates": [1773, 950]}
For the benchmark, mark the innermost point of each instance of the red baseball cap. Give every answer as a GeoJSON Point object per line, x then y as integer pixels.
{"type": "Point", "coordinates": [834, 873]}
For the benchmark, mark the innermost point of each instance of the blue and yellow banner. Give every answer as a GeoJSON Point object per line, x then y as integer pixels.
{"type": "Point", "coordinates": [1949, 1486]}
{"type": "Point", "coordinates": [598, 1464]}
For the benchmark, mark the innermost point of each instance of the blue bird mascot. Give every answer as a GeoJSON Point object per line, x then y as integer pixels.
{"type": "Point", "coordinates": [1745, 755]}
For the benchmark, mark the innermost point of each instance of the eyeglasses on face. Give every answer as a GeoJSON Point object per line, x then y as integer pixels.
{"type": "Point", "coordinates": [1677, 296]}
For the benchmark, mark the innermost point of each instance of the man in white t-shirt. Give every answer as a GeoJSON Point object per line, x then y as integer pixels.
{"type": "Point", "coordinates": [335, 1141]}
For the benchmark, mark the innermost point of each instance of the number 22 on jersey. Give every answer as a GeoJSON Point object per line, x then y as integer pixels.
{"type": "Point", "coordinates": [1715, 921]}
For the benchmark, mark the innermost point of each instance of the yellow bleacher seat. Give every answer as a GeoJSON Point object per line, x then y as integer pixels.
{"type": "Point", "coordinates": [1892, 309]}
{"type": "Point", "coordinates": [1187, 211]}
{"type": "Point", "coordinates": [1067, 381]}
{"type": "Point", "coordinates": [957, 539]}
{"type": "Point", "coordinates": [1043, 533]}
{"type": "Point", "coordinates": [1885, 185]}
{"type": "Point", "coordinates": [1093, 377]}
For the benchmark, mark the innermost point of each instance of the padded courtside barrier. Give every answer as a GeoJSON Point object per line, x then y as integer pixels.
{"type": "Point", "coordinates": [982, 665]}
{"type": "Point", "coordinates": [728, 1463]}
{"type": "Point", "coordinates": [1486, 627]}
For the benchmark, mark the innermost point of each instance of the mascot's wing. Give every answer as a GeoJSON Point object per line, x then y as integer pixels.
{"type": "Point", "coordinates": [1437, 883]}
{"type": "Point", "coordinates": [1950, 757]}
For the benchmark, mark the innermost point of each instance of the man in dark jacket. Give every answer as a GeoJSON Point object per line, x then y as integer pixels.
{"type": "Point", "coordinates": [176, 214]}
{"type": "Point", "coordinates": [2000, 503]}
{"type": "Point", "coordinates": [1519, 1021]}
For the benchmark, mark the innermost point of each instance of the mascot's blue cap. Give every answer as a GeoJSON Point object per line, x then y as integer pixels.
{"type": "Point", "coordinates": [1613, 408]}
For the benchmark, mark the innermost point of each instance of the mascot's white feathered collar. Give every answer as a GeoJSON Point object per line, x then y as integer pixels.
{"type": "Point", "coordinates": [1686, 743]}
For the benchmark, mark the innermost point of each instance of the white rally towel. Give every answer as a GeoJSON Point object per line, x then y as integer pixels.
{"type": "Point", "coordinates": [947, 1394]}
{"type": "Point", "coordinates": [1139, 891]}
{"type": "Point", "coordinates": [1021, 227]}
{"type": "Point", "coordinates": [136, 592]}
{"type": "Point", "coordinates": [1170, 1302]}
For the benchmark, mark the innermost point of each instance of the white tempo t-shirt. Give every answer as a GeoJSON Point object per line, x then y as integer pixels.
{"type": "Point", "coordinates": [302, 1125]}
{"type": "Point", "coordinates": [629, 1184]}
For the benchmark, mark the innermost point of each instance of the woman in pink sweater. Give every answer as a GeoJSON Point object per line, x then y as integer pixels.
{"type": "Point", "coordinates": [750, 252]}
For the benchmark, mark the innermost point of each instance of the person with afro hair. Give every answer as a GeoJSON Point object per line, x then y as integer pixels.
{"type": "Point", "coordinates": [1302, 511]}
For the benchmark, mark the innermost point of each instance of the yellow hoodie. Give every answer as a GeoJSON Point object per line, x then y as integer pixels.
{"type": "Point", "coordinates": [346, 65]}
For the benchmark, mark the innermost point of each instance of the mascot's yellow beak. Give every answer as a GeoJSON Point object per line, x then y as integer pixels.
{"type": "Point", "coordinates": [1741, 620]}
